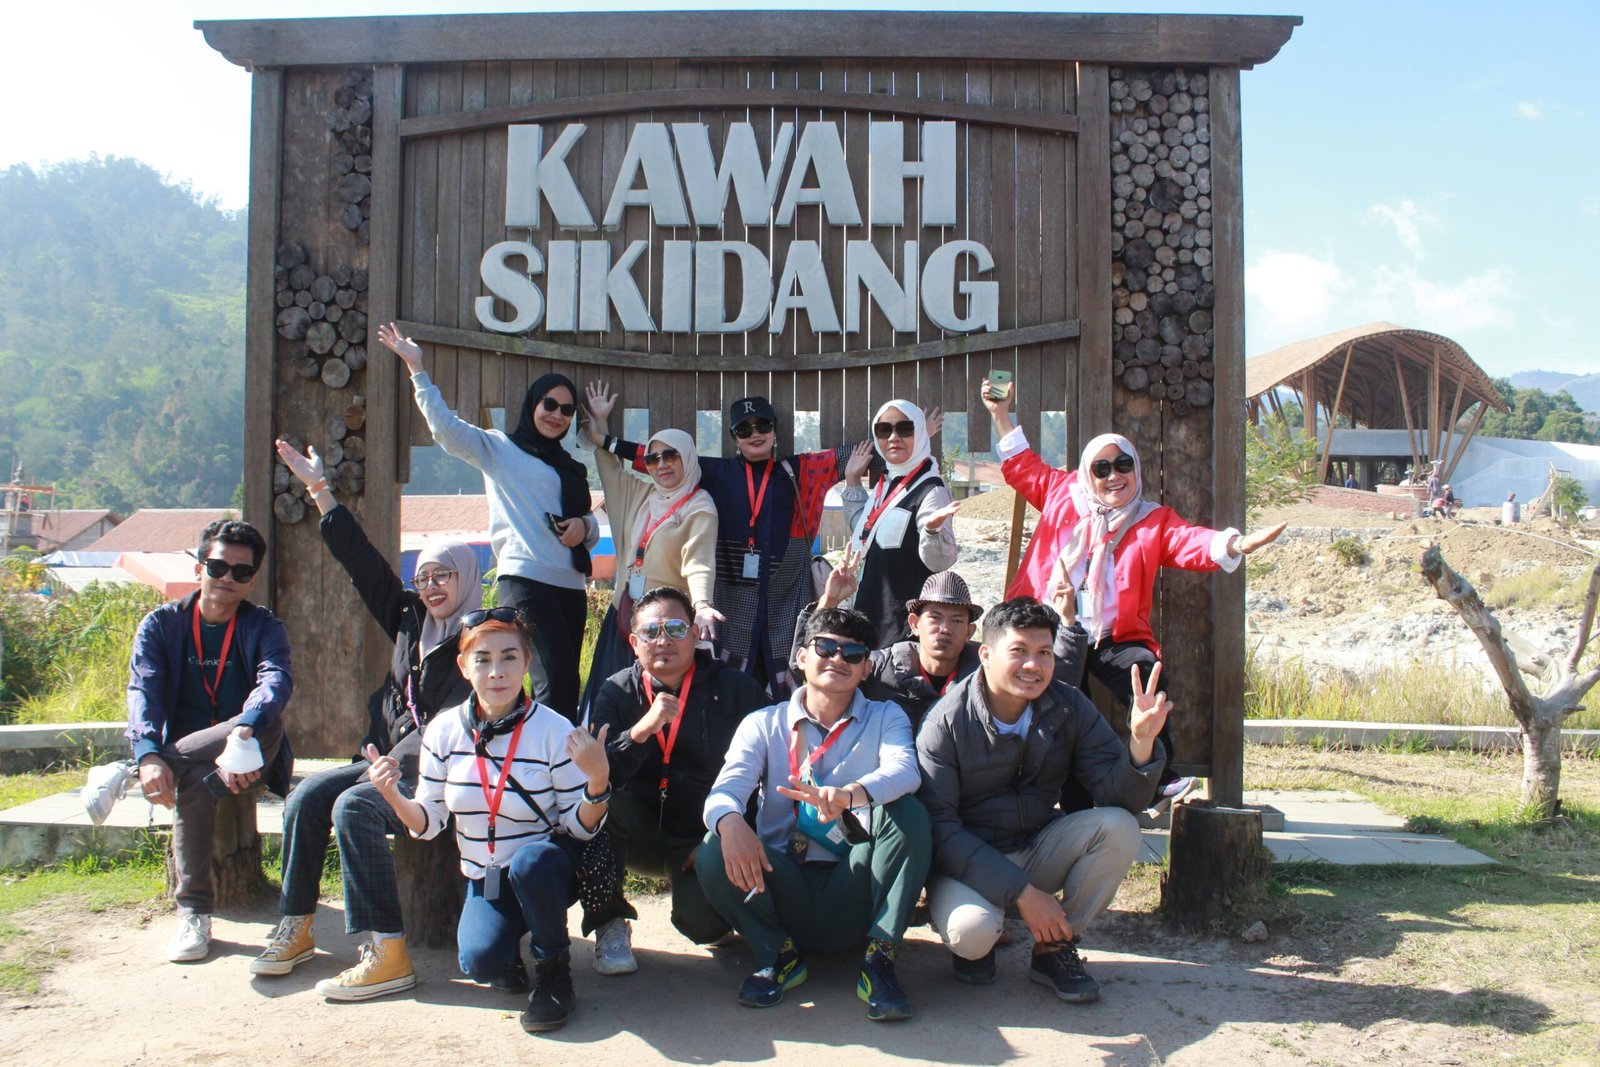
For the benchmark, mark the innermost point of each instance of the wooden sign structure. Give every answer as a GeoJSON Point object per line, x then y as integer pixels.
{"type": "Point", "coordinates": [832, 209]}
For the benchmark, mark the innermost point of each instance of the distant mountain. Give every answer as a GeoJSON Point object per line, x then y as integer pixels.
{"type": "Point", "coordinates": [1585, 391]}
{"type": "Point", "coordinates": [1549, 380]}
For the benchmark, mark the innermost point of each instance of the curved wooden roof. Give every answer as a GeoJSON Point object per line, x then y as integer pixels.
{"type": "Point", "coordinates": [1386, 363]}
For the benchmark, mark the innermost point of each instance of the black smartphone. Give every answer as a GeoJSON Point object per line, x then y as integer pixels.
{"type": "Point", "coordinates": [552, 522]}
{"type": "Point", "coordinates": [216, 785]}
{"type": "Point", "coordinates": [854, 832]}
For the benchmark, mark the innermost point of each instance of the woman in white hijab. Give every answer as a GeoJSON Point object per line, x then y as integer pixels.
{"type": "Point", "coordinates": [664, 530]}
{"type": "Point", "coordinates": [424, 622]}
{"type": "Point", "coordinates": [1097, 550]}
{"type": "Point", "coordinates": [901, 528]}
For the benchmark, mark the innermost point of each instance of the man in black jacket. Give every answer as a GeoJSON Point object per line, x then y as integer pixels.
{"type": "Point", "coordinates": [996, 753]}
{"type": "Point", "coordinates": [672, 715]}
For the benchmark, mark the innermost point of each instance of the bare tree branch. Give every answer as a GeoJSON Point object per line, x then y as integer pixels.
{"type": "Point", "coordinates": [1587, 624]}
{"type": "Point", "coordinates": [1459, 594]}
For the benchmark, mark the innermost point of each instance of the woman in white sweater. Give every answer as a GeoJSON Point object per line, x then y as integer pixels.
{"type": "Point", "coordinates": [526, 788]}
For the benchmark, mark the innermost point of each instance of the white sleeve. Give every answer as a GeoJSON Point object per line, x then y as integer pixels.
{"type": "Point", "coordinates": [1219, 550]}
{"type": "Point", "coordinates": [1012, 443]}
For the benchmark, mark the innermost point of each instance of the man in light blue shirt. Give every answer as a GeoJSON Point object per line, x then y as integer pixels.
{"type": "Point", "coordinates": [840, 846]}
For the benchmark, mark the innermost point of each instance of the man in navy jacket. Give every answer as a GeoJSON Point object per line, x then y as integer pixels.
{"type": "Point", "coordinates": [208, 672]}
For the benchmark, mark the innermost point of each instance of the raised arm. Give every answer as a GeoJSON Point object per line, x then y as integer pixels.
{"type": "Point", "coordinates": [454, 434]}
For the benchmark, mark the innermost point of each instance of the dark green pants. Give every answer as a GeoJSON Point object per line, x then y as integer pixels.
{"type": "Point", "coordinates": [830, 907]}
{"type": "Point", "coordinates": [650, 851]}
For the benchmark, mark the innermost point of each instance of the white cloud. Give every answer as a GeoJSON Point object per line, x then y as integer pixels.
{"type": "Point", "coordinates": [1531, 110]}
{"type": "Point", "coordinates": [1291, 296]}
{"type": "Point", "coordinates": [1408, 220]}
{"type": "Point", "coordinates": [1403, 296]}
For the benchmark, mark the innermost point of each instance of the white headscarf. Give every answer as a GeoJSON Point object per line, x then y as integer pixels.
{"type": "Point", "coordinates": [458, 557]}
{"type": "Point", "coordinates": [660, 501]}
{"type": "Point", "coordinates": [919, 445]}
{"type": "Point", "coordinates": [1097, 527]}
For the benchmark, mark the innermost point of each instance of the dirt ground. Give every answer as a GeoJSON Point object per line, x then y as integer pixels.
{"type": "Point", "coordinates": [1167, 1000]}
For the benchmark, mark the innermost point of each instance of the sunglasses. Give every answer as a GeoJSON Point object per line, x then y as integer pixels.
{"type": "Point", "coordinates": [666, 455]}
{"type": "Point", "coordinates": [1102, 468]}
{"type": "Point", "coordinates": [550, 403]}
{"type": "Point", "coordinates": [885, 430]}
{"type": "Point", "coordinates": [436, 577]}
{"type": "Point", "coordinates": [477, 618]}
{"type": "Point", "coordinates": [675, 629]}
{"type": "Point", "coordinates": [750, 429]}
{"type": "Point", "coordinates": [852, 652]}
{"type": "Point", "coordinates": [216, 568]}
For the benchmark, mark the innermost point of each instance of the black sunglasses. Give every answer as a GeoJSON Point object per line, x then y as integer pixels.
{"type": "Point", "coordinates": [749, 429]}
{"type": "Point", "coordinates": [1102, 468]}
{"type": "Point", "coordinates": [652, 459]}
{"type": "Point", "coordinates": [885, 430]}
{"type": "Point", "coordinates": [550, 403]}
{"type": "Point", "coordinates": [676, 629]}
{"type": "Point", "coordinates": [852, 652]}
{"type": "Point", "coordinates": [482, 615]}
{"type": "Point", "coordinates": [242, 572]}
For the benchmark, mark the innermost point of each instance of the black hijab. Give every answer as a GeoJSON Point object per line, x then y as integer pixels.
{"type": "Point", "coordinates": [574, 478]}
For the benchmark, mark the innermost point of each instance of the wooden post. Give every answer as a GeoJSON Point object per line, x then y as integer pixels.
{"type": "Point", "coordinates": [235, 852]}
{"type": "Point", "coordinates": [1019, 515]}
{"type": "Point", "coordinates": [1212, 850]}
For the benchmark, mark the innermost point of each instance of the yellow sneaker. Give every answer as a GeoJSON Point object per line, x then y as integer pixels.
{"type": "Point", "coordinates": [292, 944]}
{"type": "Point", "coordinates": [384, 967]}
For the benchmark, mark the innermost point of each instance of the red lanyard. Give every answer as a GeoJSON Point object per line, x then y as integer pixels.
{"type": "Point", "coordinates": [900, 485]}
{"type": "Point", "coordinates": [669, 736]}
{"type": "Point", "coordinates": [795, 765]}
{"type": "Point", "coordinates": [756, 499]}
{"type": "Point", "coordinates": [222, 660]}
{"type": "Point", "coordinates": [948, 679]}
{"type": "Point", "coordinates": [493, 799]}
{"type": "Point", "coordinates": [650, 531]}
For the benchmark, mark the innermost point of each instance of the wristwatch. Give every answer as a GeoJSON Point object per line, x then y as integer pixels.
{"type": "Point", "coordinates": [596, 801]}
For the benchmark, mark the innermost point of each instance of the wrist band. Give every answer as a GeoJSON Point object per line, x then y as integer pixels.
{"type": "Point", "coordinates": [596, 801]}
{"type": "Point", "coordinates": [318, 486]}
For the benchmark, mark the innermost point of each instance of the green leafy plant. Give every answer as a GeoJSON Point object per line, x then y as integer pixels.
{"type": "Point", "coordinates": [1279, 466]}
{"type": "Point", "coordinates": [1351, 551]}
{"type": "Point", "coordinates": [1568, 498]}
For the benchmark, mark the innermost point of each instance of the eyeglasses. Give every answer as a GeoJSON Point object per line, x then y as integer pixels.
{"type": "Point", "coordinates": [216, 568]}
{"type": "Point", "coordinates": [550, 403]}
{"type": "Point", "coordinates": [885, 430]}
{"type": "Point", "coordinates": [440, 576]}
{"type": "Point", "coordinates": [750, 429]}
{"type": "Point", "coordinates": [477, 618]}
{"type": "Point", "coordinates": [852, 652]}
{"type": "Point", "coordinates": [1102, 468]}
{"type": "Point", "coordinates": [666, 455]}
{"type": "Point", "coordinates": [673, 629]}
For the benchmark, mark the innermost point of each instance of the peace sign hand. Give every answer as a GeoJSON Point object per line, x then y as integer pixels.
{"type": "Point", "coordinates": [1147, 715]}
{"type": "Point", "coordinates": [842, 581]}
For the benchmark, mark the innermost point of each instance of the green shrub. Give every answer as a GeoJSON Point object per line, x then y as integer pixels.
{"type": "Point", "coordinates": [1351, 551]}
{"type": "Point", "coordinates": [66, 658]}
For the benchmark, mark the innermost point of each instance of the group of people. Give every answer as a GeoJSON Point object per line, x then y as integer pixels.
{"type": "Point", "coordinates": [847, 748]}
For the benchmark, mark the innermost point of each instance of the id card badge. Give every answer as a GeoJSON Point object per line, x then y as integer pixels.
{"type": "Point", "coordinates": [752, 565]}
{"type": "Point", "coordinates": [491, 882]}
{"type": "Point", "coordinates": [635, 584]}
{"type": "Point", "coordinates": [891, 528]}
{"type": "Point", "coordinates": [799, 843]}
{"type": "Point", "coordinates": [1081, 602]}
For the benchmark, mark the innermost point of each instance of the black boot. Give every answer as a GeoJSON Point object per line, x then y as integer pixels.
{"type": "Point", "coordinates": [550, 1003]}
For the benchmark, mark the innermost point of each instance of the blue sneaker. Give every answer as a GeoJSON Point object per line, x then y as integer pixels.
{"type": "Point", "coordinates": [767, 986]}
{"type": "Point", "coordinates": [877, 986]}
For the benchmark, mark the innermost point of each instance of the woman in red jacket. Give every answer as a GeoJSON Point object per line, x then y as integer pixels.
{"type": "Point", "coordinates": [1098, 548]}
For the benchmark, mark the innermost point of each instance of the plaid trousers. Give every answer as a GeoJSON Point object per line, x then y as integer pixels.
{"type": "Point", "coordinates": [344, 802]}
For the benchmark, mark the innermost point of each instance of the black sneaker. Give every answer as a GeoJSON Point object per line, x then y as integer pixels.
{"type": "Point", "coordinates": [1062, 970]}
{"type": "Point", "coordinates": [767, 986]}
{"type": "Point", "coordinates": [975, 972]}
{"type": "Point", "coordinates": [877, 986]}
{"type": "Point", "coordinates": [514, 980]}
{"type": "Point", "coordinates": [550, 1003]}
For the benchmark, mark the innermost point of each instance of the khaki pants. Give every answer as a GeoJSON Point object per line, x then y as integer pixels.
{"type": "Point", "coordinates": [1083, 856]}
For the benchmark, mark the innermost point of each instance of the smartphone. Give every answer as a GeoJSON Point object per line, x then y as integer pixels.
{"type": "Point", "coordinates": [551, 521]}
{"type": "Point", "coordinates": [999, 385]}
{"type": "Point", "coordinates": [216, 785]}
{"type": "Point", "coordinates": [854, 832]}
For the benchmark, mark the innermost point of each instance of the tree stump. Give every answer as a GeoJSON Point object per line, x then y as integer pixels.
{"type": "Point", "coordinates": [1212, 851]}
{"type": "Point", "coordinates": [431, 888]}
{"type": "Point", "coordinates": [235, 852]}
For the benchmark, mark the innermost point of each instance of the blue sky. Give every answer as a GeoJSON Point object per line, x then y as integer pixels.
{"type": "Point", "coordinates": [1431, 164]}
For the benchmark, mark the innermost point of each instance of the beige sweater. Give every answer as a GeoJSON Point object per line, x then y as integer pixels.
{"type": "Point", "coordinates": [682, 553]}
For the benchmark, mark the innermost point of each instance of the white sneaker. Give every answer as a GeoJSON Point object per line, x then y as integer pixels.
{"type": "Point", "coordinates": [613, 948]}
{"type": "Point", "coordinates": [107, 784]}
{"type": "Point", "coordinates": [192, 940]}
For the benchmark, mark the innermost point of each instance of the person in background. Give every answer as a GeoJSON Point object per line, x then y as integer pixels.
{"type": "Point", "coordinates": [520, 847]}
{"type": "Point", "coordinates": [540, 521]}
{"type": "Point", "coordinates": [1510, 511]}
{"type": "Point", "coordinates": [902, 526]}
{"type": "Point", "coordinates": [1097, 550]}
{"type": "Point", "coordinates": [839, 850]}
{"type": "Point", "coordinates": [208, 682]}
{"type": "Point", "coordinates": [1350, 481]}
{"type": "Point", "coordinates": [996, 755]}
{"type": "Point", "coordinates": [425, 624]}
{"type": "Point", "coordinates": [672, 715]}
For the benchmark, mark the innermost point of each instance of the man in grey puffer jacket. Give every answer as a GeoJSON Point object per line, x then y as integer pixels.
{"type": "Point", "coordinates": [996, 753]}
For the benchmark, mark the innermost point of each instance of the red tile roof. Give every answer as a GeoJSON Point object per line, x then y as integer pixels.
{"type": "Point", "coordinates": [451, 514]}
{"type": "Point", "coordinates": [159, 530]}
{"type": "Point", "coordinates": [58, 528]}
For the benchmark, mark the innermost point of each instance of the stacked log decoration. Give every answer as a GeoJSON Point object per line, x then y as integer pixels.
{"type": "Point", "coordinates": [1163, 287]}
{"type": "Point", "coordinates": [351, 124]}
{"type": "Point", "coordinates": [344, 460]}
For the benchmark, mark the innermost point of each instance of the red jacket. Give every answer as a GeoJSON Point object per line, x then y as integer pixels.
{"type": "Point", "coordinates": [1160, 539]}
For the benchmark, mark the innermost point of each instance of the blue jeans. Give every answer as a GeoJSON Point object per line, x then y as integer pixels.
{"type": "Point", "coordinates": [538, 885]}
